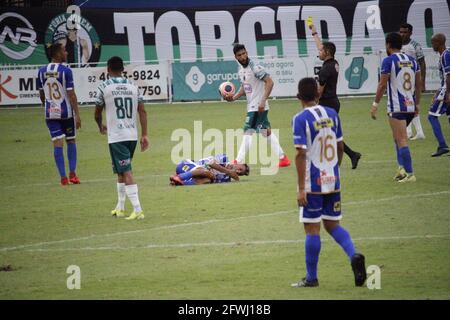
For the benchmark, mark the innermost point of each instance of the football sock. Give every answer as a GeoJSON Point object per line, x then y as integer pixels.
{"type": "Point", "coordinates": [275, 144]}
{"type": "Point", "coordinates": [72, 155]}
{"type": "Point", "coordinates": [418, 125]}
{"type": "Point", "coordinates": [348, 151]}
{"type": "Point", "coordinates": [341, 236]}
{"type": "Point", "coordinates": [437, 131]}
{"type": "Point", "coordinates": [406, 159]}
{"type": "Point", "coordinates": [121, 196]}
{"type": "Point", "coordinates": [399, 158]}
{"type": "Point", "coordinates": [59, 159]}
{"type": "Point", "coordinates": [132, 194]}
{"type": "Point", "coordinates": [409, 130]}
{"type": "Point", "coordinates": [312, 250]}
{"type": "Point", "coordinates": [185, 176]}
{"type": "Point", "coordinates": [245, 146]}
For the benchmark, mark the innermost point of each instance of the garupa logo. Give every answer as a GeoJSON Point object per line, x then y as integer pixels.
{"type": "Point", "coordinates": [17, 37]}
{"type": "Point", "coordinates": [77, 34]}
{"type": "Point", "coordinates": [195, 79]}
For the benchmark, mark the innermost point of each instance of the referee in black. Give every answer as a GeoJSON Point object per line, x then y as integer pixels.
{"type": "Point", "coordinates": [328, 76]}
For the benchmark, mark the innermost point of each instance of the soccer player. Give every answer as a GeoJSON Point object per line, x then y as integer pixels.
{"type": "Point", "coordinates": [413, 49]}
{"type": "Point", "coordinates": [401, 74]}
{"type": "Point", "coordinates": [57, 94]}
{"type": "Point", "coordinates": [209, 170]}
{"type": "Point", "coordinates": [122, 101]}
{"type": "Point", "coordinates": [257, 85]}
{"type": "Point", "coordinates": [441, 100]}
{"type": "Point", "coordinates": [328, 77]}
{"type": "Point", "coordinates": [319, 148]}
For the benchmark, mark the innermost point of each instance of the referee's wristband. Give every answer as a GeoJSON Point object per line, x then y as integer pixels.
{"type": "Point", "coordinates": [314, 33]}
{"type": "Point", "coordinates": [374, 104]}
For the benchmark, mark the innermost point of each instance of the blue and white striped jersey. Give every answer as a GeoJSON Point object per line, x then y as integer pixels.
{"type": "Point", "coordinates": [401, 89]}
{"type": "Point", "coordinates": [318, 129]}
{"type": "Point", "coordinates": [55, 79]}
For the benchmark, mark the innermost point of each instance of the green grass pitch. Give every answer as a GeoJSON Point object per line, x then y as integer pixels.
{"type": "Point", "coordinates": [230, 241]}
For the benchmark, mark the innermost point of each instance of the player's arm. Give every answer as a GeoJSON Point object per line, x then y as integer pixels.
{"type": "Point", "coordinates": [423, 72]}
{"type": "Point", "coordinates": [418, 88]}
{"type": "Point", "coordinates": [143, 121]}
{"type": "Point", "coordinates": [99, 119]}
{"type": "Point", "coordinates": [381, 88]}
{"type": "Point", "coordinates": [74, 104]}
{"type": "Point", "coordinates": [237, 96]}
{"type": "Point", "coordinates": [300, 164]}
{"type": "Point", "coordinates": [316, 37]}
{"type": "Point", "coordinates": [447, 93]}
{"type": "Point", "coordinates": [268, 86]}
{"type": "Point", "coordinates": [222, 169]}
{"type": "Point", "coordinates": [42, 96]}
{"type": "Point", "coordinates": [340, 151]}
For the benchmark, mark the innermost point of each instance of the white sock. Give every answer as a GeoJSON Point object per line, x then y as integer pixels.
{"type": "Point", "coordinates": [272, 140]}
{"type": "Point", "coordinates": [245, 146]}
{"type": "Point", "coordinates": [409, 130]}
{"type": "Point", "coordinates": [121, 196]}
{"type": "Point", "coordinates": [418, 125]}
{"type": "Point", "coordinates": [132, 194]}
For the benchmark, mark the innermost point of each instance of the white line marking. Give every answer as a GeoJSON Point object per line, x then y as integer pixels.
{"type": "Point", "coordinates": [231, 244]}
{"type": "Point", "coordinates": [212, 221]}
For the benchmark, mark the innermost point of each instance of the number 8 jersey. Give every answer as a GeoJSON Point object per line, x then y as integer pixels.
{"type": "Point", "coordinates": [120, 99]}
{"type": "Point", "coordinates": [55, 79]}
{"type": "Point", "coordinates": [401, 90]}
{"type": "Point", "coordinates": [318, 129]}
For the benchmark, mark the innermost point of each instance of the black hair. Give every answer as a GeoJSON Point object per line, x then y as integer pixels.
{"type": "Point", "coordinates": [238, 47]}
{"type": "Point", "coordinates": [247, 169]}
{"type": "Point", "coordinates": [55, 48]}
{"type": "Point", "coordinates": [307, 89]}
{"type": "Point", "coordinates": [115, 64]}
{"type": "Point", "coordinates": [394, 40]}
{"type": "Point", "coordinates": [407, 26]}
{"type": "Point", "coordinates": [330, 48]}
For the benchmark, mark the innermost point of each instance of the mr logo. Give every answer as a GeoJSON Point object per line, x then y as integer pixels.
{"type": "Point", "coordinates": [374, 277]}
{"type": "Point", "coordinates": [74, 280]}
{"type": "Point", "coordinates": [21, 39]}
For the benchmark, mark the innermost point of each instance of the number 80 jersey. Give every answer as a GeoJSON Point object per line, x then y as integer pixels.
{"type": "Point", "coordinates": [318, 129]}
{"type": "Point", "coordinates": [401, 90]}
{"type": "Point", "coordinates": [120, 98]}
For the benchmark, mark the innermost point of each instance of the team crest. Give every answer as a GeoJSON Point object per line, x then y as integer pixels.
{"type": "Point", "coordinates": [77, 34]}
{"type": "Point", "coordinates": [337, 206]}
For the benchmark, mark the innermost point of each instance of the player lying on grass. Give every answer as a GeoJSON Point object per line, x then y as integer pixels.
{"type": "Point", "coordinates": [208, 170]}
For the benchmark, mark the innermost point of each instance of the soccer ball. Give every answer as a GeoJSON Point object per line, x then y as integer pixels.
{"type": "Point", "coordinates": [226, 89]}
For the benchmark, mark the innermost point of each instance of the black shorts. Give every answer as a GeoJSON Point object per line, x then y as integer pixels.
{"type": "Point", "coordinates": [332, 103]}
{"type": "Point", "coordinates": [407, 116]}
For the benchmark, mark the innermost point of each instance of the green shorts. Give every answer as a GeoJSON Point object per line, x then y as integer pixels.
{"type": "Point", "coordinates": [121, 155]}
{"type": "Point", "coordinates": [257, 121]}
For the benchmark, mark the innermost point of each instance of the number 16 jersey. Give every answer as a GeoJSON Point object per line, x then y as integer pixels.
{"type": "Point", "coordinates": [318, 129]}
{"type": "Point", "coordinates": [120, 98]}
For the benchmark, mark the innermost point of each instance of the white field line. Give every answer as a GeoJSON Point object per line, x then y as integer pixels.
{"type": "Point", "coordinates": [182, 225]}
{"type": "Point", "coordinates": [231, 244]}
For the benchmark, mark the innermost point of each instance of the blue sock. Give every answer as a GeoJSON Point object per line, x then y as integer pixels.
{"type": "Point", "coordinates": [185, 176]}
{"type": "Point", "coordinates": [406, 159]}
{"type": "Point", "coordinates": [399, 158]}
{"type": "Point", "coordinates": [437, 131]}
{"type": "Point", "coordinates": [341, 236]}
{"type": "Point", "coordinates": [189, 182]}
{"type": "Point", "coordinates": [312, 250]}
{"type": "Point", "coordinates": [72, 155]}
{"type": "Point", "coordinates": [59, 159]}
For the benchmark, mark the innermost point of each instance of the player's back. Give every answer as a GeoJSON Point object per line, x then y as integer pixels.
{"type": "Point", "coordinates": [401, 89]}
{"type": "Point", "coordinates": [317, 129]}
{"type": "Point", "coordinates": [120, 98]}
{"type": "Point", "coordinates": [55, 79]}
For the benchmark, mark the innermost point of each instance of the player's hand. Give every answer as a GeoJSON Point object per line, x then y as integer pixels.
{"type": "Point", "coordinates": [262, 106]}
{"type": "Point", "coordinates": [301, 198]}
{"type": "Point", "coordinates": [447, 101]}
{"type": "Point", "coordinates": [229, 97]}
{"type": "Point", "coordinates": [144, 143]}
{"type": "Point", "coordinates": [103, 129]}
{"type": "Point", "coordinates": [373, 112]}
{"type": "Point", "coordinates": [77, 122]}
{"type": "Point", "coordinates": [234, 175]}
{"type": "Point", "coordinates": [313, 29]}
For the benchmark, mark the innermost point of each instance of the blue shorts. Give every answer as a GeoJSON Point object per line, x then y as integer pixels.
{"type": "Point", "coordinates": [60, 128]}
{"type": "Point", "coordinates": [408, 116]}
{"type": "Point", "coordinates": [185, 166]}
{"type": "Point", "coordinates": [438, 108]}
{"type": "Point", "coordinates": [321, 206]}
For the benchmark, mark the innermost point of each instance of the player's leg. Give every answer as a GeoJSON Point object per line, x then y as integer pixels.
{"type": "Point", "coordinates": [409, 131]}
{"type": "Point", "coordinates": [310, 216]}
{"type": "Point", "coordinates": [398, 123]}
{"type": "Point", "coordinates": [56, 132]}
{"type": "Point", "coordinates": [419, 130]}
{"type": "Point", "coordinates": [70, 132]}
{"type": "Point", "coordinates": [438, 108]}
{"type": "Point", "coordinates": [272, 139]}
{"type": "Point", "coordinates": [119, 210]}
{"type": "Point", "coordinates": [331, 217]}
{"type": "Point", "coordinates": [249, 129]}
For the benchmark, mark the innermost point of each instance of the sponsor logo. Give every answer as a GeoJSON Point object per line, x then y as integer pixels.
{"type": "Point", "coordinates": [195, 79]}
{"type": "Point", "coordinates": [77, 34]}
{"type": "Point", "coordinates": [3, 89]}
{"type": "Point", "coordinates": [12, 41]}
{"type": "Point", "coordinates": [125, 162]}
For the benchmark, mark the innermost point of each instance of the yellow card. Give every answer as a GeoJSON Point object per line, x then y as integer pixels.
{"type": "Point", "coordinates": [309, 21]}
